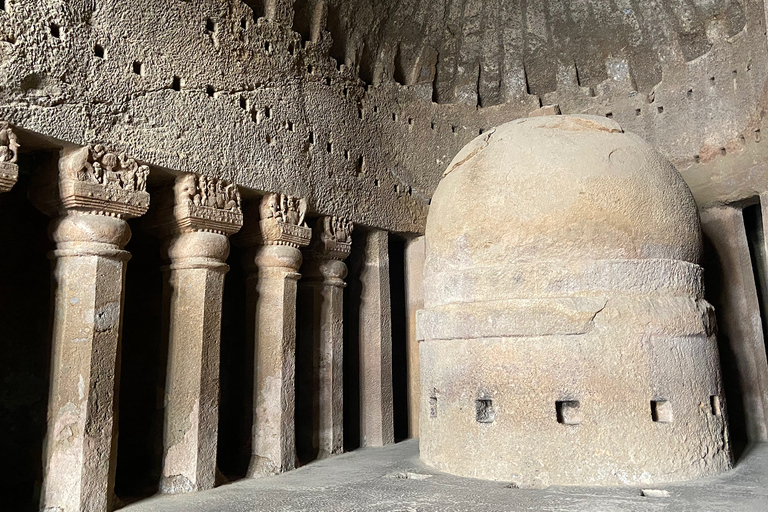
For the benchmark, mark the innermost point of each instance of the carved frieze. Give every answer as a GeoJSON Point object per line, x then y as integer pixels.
{"type": "Point", "coordinates": [283, 221]}
{"type": "Point", "coordinates": [333, 238]}
{"type": "Point", "coordinates": [92, 179]}
{"type": "Point", "coordinates": [9, 145]}
{"type": "Point", "coordinates": [204, 203]}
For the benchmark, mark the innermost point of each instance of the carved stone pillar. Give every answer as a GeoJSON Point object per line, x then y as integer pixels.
{"type": "Point", "coordinates": [325, 274]}
{"type": "Point", "coordinates": [195, 219]}
{"type": "Point", "coordinates": [376, 407]}
{"type": "Point", "coordinates": [91, 195]}
{"type": "Point", "coordinates": [273, 262]}
{"type": "Point", "coordinates": [9, 145]}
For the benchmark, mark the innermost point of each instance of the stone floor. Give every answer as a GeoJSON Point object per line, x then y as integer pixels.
{"type": "Point", "coordinates": [393, 479]}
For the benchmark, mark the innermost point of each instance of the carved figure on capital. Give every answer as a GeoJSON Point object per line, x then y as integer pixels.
{"type": "Point", "coordinates": [285, 208]}
{"type": "Point", "coordinates": [333, 238]}
{"type": "Point", "coordinates": [94, 164]}
{"type": "Point", "coordinates": [209, 192]}
{"type": "Point", "coordinates": [283, 220]}
{"type": "Point", "coordinates": [9, 146]}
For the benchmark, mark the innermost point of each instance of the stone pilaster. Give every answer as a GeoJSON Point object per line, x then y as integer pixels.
{"type": "Point", "coordinates": [195, 219]}
{"type": "Point", "coordinates": [376, 407]}
{"type": "Point", "coordinates": [273, 260]}
{"type": "Point", "coordinates": [90, 195]}
{"type": "Point", "coordinates": [414, 298]}
{"type": "Point", "coordinates": [9, 145]}
{"type": "Point", "coordinates": [325, 275]}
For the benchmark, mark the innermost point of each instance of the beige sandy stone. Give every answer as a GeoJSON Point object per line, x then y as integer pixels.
{"type": "Point", "coordinates": [566, 339]}
{"type": "Point", "coordinates": [414, 289]}
{"type": "Point", "coordinates": [376, 409]}
{"type": "Point", "coordinates": [91, 193]}
{"type": "Point", "coordinates": [273, 260]}
{"type": "Point", "coordinates": [195, 218]}
{"type": "Point", "coordinates": [325, 274]}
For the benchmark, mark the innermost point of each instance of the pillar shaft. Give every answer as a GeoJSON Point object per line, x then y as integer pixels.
{"type": "Point", "coordinates": [195, 219]}
{"type": "Point", "coordinates": [195, 293]}
{"type": "Point", "coordinates": [740, 309]}
{"type": "Point", "coordinates": [271, 296]}
{"type": "Point", "coordinates": [326, 278]}
{"type": "Point", "coordinates": [90, 194]}
{"type": "Point", "coordinates": [376, 407]}
{"type": "Point", "coordinates": [274, 259]}
{"type": "Point", "coordinates": [88, 304]}
{"type": "Point", "coordinates": [414, 291]}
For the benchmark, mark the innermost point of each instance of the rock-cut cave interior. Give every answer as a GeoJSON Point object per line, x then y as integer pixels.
{"type": "Point", "coordinates": [383, 255]}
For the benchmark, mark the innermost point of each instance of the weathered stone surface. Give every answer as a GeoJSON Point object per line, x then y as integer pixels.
{"type": "Point", "coordinates": [325, 275]}
{"type": "Point", "coordinates": [195, 217]}
{"type": "Point", "coordinates": [376, 407]}
{"type": "Point", "coordinates": [564, 326]}
{"type": "Point", "coordinates": [738, 299]}
{"type": "Point", "coordinates": [273, 261]}
{"type": "Point", "coordinates": [415, 252]}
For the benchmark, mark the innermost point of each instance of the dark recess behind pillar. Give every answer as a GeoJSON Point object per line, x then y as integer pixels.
{"type": "Point", "coordinates": [25, 347]}
{"type": "Point", "coordinates": [352, 343]}
{"type": "Point", "coordinates": [399, 336]}
{"type": "Point", "coordinates": [307, 397]}
{"type": "Point", "coordinates": [753, 225]}
{"type": "Point", "coordinates": [142, 360]}
{"type": "Point", "coordinates": [236, 371]}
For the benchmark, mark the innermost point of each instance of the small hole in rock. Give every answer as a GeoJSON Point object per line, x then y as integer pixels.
{"type": "Point", "coordinates": [138, 68]}
{"type": "Point", "coordinates": [484, 412]}
{"type": "Point", "coordinates": [394, 116]}
{"type": "Point", "coordinates": [243, 23]}
{"type": "Point", "coordinates": [638, 112]}
{"type": "Point", "coordinates": [243, 103]}
{"type": "Point", "coordinates": [311, 138]}
{"type": "Point", "coordinates": [689, 94]}
{"type": "Point", "coordinates": [661, 411]}
{"type": "Point", "coordinates": [210, 91]}
{"type": "Point", "coordinates": [55, 30]}
{"type": "Point", "coordinates": [290, 126]}
{"type": "Point", "coordinates": [660, 109]}
{"type": "Point", "coordinates": [376, 183]}
{"type": "Point", "coordinates": [568, 412]}
{"type": "Point", "coordinates": [696, 158]}
{"type": "Point", "coordinates": [210, 26]}
{"type": "Point", "coordinates": [98, 51]}
{"type": "Point", "coordinates": [329, 147]}
{"type": "Point", "coordinates": [176, 84]}
{"type": "Point", "coordinates": [267, 112]}
{"type": "Point", "coordinates": [722, 151]}
{"type": "Point", "coordinates": [609, 115]}
{"type": "Point", "coordinates": [453, 128]}
{"type": "Point", "coordinates": [346, 154]}
{"type": "Point", "coordinates": [714, 405]}
{"type": "Point", "coordinates": [268, 46]}
{"type": "Point", "coordinates": [432, 125]}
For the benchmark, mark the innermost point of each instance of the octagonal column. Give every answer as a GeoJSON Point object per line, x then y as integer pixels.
{"type": "Point", "coordinates": [91, 195]}
{"type": "Point", "coordinates": [376, 399]}
{"type": "Point", "coordinates": [325, 274]}
{"type": "Point", "coordinates": [273, 261]}
{"type": "Point", "coordinates": [195, 219]}
{"type": "Point", "coordinates": [9, 145]}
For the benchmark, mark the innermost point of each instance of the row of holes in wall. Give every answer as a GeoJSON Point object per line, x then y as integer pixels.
{"type": "Point", "coordinates": [138, 68]}
{"type": "Point", "coordinates": [568, 412]}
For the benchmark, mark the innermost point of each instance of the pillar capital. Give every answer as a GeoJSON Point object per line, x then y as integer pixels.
{"type": "Point", "coordinates": [197, 204]}
{"type": "Point", "coordinates": [9, 145]}
{"type": "Point", "coordinates": [331, 244]}
{"type": "Point", "coordinates": [281, 221]}
{"type": "Point", "coordinates": [93, 180]}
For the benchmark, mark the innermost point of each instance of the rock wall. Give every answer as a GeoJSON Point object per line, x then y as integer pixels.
{"type": "Point", "coordinates": [359, 106]}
